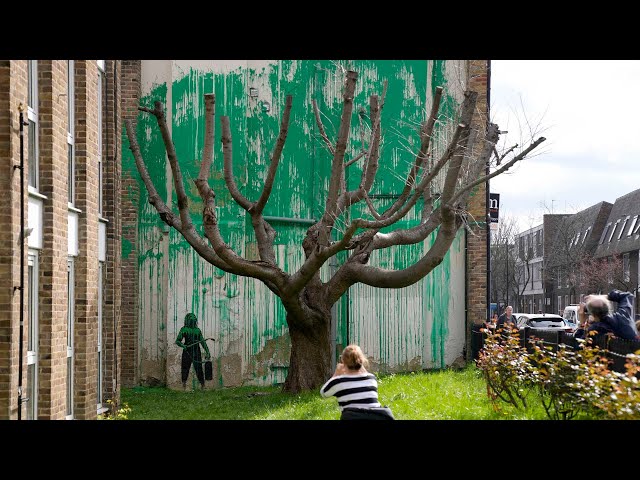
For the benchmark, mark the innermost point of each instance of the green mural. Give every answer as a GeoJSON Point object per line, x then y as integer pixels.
{"type": "Point", "coordinates": [242, 314]}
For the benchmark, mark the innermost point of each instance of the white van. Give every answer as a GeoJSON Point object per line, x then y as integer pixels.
{"type": "Point", "coordinates": [571, 315]}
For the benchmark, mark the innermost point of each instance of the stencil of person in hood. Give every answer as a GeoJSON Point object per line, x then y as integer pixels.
{"type": "Point", "coordinates": [189, 339]}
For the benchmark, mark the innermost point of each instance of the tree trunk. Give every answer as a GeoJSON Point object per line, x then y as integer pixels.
{"type": "Point", "coordinates": [310, 362]}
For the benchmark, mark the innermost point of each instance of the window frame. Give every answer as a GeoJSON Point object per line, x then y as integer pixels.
{"type": "Point", "coordinates": [70, 334]}
{"type": "Point", "coordinates": [71, 154]}
{"type": "Point", "coordinates": [33, 177]}
{"type": "Point", "coordinates": [33, 334]}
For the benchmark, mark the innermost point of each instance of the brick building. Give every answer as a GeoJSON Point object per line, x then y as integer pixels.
{"type": "Point", "coordinates": [100, 297]}
{"type": "Point", "coordinates": [67, 304]}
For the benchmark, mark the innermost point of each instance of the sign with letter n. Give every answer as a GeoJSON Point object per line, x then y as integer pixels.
{"type": "Point", "coordinates": [494, 205]}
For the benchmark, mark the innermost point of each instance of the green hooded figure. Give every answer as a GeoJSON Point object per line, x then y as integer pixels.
{"type": "Point", "coordinates": [189, 339]}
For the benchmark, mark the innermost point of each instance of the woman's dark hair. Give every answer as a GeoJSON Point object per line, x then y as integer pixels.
{"type": "Point", "coordinates": [353, 358]}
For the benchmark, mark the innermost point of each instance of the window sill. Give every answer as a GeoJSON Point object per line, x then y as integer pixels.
{"type": "Point", "coordinates": [103, 410]}
{"type": "Point", "coordinates": [73, 209]}
{"type": "Point", "coordinates": [103, 220]}
{"type": "Point", "coordinates": [34, 193]}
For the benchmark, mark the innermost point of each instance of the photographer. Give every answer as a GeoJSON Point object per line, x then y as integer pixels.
{"type": "Point", "coordinates": [602, 318]}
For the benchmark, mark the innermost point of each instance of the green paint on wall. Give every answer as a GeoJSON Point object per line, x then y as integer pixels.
{"type": "Point", "coordinates": [242, 310]}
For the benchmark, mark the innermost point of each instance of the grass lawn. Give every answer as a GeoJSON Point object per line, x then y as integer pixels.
{"type": "Point", "coordinates": [432, 395]}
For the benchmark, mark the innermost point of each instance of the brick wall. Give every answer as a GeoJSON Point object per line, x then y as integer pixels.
{"type": "Point", "coordinates": [52, 78]}
{"type": "Point", "coordinates": [13, 91]}
{"type": "Point", "coordinates": [131, 74]}
{"type": "Point", "coordinates": [86, 263]}
{"type": "Point", "coordinates": [477, 244]}
{"type": "Point", "coordinates": [111, 159]}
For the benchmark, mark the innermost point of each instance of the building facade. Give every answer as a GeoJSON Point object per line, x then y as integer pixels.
{"type": "Point", "coordinates": [94, 287]}
{"type": "Point", "coordinates": [59, 238]}
{"type": "Point", "coordinates": [620, 239]}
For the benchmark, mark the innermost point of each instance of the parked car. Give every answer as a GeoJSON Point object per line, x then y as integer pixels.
{"type": "Point", "coordinates": [570, 315]}
{"type": "Point", "coordinates": [544, 322]}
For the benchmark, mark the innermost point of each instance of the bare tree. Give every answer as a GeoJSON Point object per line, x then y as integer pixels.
{"type": "Point", "coordinates": [504, 280]}
{"type": "Point", "coordinates": [444, 184]}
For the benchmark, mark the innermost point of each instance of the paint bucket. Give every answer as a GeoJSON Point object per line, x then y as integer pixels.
{"type": "Point", "coordinates": [208, 370]}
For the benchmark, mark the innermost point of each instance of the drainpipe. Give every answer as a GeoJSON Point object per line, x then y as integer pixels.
{"type": "Point", "coordinates": [22, 237]}
{"type": "Point", "coordinates": [488, 224]}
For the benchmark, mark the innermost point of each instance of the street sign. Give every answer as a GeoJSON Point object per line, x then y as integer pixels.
{"type": "Point", "coordinates": [494, 205]}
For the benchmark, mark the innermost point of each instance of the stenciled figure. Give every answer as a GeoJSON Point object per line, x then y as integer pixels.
{"type": "Point", "coordinates": [189, 339]}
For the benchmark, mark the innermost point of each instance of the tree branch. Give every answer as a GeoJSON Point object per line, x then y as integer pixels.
{"type": "Point", "coordinates": [275, 157]}
{"type": "Point", "coordinates": [337, 169]}
{"type": "Point", "coordinates": [504, 168]}
{"type": "Point", "coordinates": [183, 201]}
{"type": "Point", "coordinates": [228, 165]}
{"type": "Point", "coordinates": [321, 127]}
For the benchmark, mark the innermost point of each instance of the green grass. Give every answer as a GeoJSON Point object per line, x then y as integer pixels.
{"type": "Point", "coordinates": [433, 395]}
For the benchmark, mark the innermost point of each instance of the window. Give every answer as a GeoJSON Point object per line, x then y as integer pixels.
{"type": "Point", "coordinates": [586, 234]}
{"type": "Point", "coordinates": [560, 306]}
{"type": "Point", "coordinates": [633, 224]}
{"type": "Point", "coordinates": [613, 230]}
{"type": "Point", "coordinates": [100, 362]}
{"type": "Point", "coordinates": [539, 243]}
{"type": "Point", "coordinates": [521, 247]}
{"type": "Point", "coordinates": [626, 267]}
{"type": "Point", "coordinates": [604, 233]}
{"type": "Point", "coordinates": [32, 342]}
{"type": "Point", "coordinates": [100, 133]}
{"type": "Point", "coordinates": [624, 224]}
{"type": "Point", "coordinates": [70, 320]}
{"type": "Point", "coordinates": [71, 179]}
{"type": "Point", "coordinates": [32, 117]}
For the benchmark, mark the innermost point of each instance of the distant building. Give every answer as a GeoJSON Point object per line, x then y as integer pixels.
{"type": "Point", "coordinates": [574, 242]}
{"type": "Point", "coordinates": [621, 237]}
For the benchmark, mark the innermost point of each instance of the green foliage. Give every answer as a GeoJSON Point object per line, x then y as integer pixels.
{"type": "Point", "coordinates": [115, 412]}
{"type": "Point", "coordinates": [569, 383]}
{"type": "Point", "coordinates": [506, 370]}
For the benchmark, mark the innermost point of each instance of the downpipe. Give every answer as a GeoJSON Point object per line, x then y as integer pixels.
{"type": "Point", "coordinates": [22, 237]}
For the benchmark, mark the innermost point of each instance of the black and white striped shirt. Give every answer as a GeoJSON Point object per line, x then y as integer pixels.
{"type": "Point", "coordinates": [357, 391]}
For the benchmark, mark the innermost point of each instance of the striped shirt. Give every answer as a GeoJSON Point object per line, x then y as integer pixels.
{"type": "Point", "coordinates": [357, 391]}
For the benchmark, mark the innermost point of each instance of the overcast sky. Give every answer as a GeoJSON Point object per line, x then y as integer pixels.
{"type": "Point", "coordinates": [589, 111]}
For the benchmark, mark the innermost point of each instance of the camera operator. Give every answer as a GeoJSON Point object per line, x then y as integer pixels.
{"type": "Point", "coordinates": [602, 318]}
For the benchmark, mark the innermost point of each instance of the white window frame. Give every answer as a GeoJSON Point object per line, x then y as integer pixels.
{"type": "Point", "coordinates": [613, 230]}
{"type": "Point", "coordinates": [71, 149]}
{"type": "Point", "coordinates": [101, 83]}
{"type": "Point", "coordinates": [586, 234]}
{"type": "Point", "coordinates": [624, 224]}
{"type": "Point", "coordinates": [32, 117]}
{"type": "Point", "coordinates": [33, 340]}
{"type": "Point", "coordinates": [633, 224]}
{"type": "Point", "coordinates": [604, 233]}
{"type": "Point", "coordinates": [100, 379]}
{"type": "Point", "coordinates": [70, 333]}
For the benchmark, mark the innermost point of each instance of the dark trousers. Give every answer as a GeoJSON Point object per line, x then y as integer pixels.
{"type": "Point", "coordinates": [378, 413]}
{"type": "Point", "coordinates": [189, 356]}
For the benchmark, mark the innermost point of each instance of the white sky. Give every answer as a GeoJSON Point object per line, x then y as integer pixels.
{"type": "Point", "coordinates": [589, 112]}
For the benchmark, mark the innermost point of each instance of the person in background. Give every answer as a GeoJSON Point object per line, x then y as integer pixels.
{"type": "Point", "coordinates": [355, 388]}
{"type": "Point", "coordinates": [506, 319]}
{"type": "Point", "coordinates": [597, 315]}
